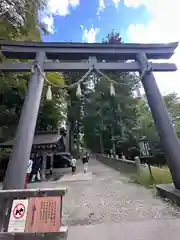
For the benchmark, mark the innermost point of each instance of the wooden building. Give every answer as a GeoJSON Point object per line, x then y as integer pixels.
{"type": "Point", "coordinates": [44, 143]}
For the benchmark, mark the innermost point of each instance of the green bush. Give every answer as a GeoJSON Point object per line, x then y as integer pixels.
{"type": "Point", "coordinates": [160, 176]}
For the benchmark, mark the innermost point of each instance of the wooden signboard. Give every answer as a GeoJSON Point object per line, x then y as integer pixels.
{"type": "Point", "coordinates": [43, 214]}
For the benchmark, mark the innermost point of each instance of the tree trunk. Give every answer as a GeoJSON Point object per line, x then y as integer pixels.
{"type": "Point", "coordinates": [68, 137]}
{"type": "Point", "coordinates": [101, 143]}
{"type": "Point", "coordinates": [78, 139]}
{"type": "Point", "coordinates": [113, 142]}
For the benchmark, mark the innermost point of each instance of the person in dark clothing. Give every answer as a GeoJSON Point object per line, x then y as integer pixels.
{"type": "Point", "coordinates": [36, 168]}
{"type": "Point", "coordinates": [33, 173]}
{"type": "Point", "coordinates": [50, 170]}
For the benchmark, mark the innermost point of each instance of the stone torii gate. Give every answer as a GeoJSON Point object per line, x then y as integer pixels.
{"type": "Point", "coordinates": [71, 57]}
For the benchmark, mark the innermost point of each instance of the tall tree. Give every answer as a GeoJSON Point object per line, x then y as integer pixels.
{"type": "Point", "coordinates": [18, 18]}
{"type": "Point", "coordinates": [108, 119]}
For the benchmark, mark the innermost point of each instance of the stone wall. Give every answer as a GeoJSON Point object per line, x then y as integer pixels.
{"type": "Point", "coordinates": [124, 166]}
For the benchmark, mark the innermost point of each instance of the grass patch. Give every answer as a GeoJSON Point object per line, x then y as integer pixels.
{"type": "Point", "coordinates": [160, 175]}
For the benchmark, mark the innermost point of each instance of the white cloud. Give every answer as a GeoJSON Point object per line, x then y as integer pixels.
{"type": "Point", "coordinates": [49, 22]}
{"type": "Point", "coordinates": [133, 3]}
{"type": "Point", "coordinates": [61, 7]}
{"type": "Point", "coordinates": [129, 3]}
{"type": "Point", "coordinates": [116, 2]}
{"type": "Point", "coordinates": [164, 27]}
{"type": "Point", "coordinates": [89, 35]}
{"type": "Point", "coordinates": [74, 3]}
{"type": "Point", "coordinates": [57, 7]}
{"type": "Point", "coordinates": [101, 7]}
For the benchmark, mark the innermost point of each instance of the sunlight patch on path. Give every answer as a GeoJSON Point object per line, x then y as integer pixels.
{"type": "Point", "coordinates": [76, 177]}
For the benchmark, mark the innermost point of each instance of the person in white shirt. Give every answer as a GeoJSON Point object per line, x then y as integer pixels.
{"type": "Point", "coordinates": [29, 170]}
{"type": "Point", "coordinates": [123, 157]}
{"type": "Point", "coordinates": [73, 165]}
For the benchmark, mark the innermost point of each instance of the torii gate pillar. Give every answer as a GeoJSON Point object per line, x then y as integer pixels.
{"type": "Point", "coordinates": [18, 162]}
{"type": "Point", "coordinates": [163, 123]}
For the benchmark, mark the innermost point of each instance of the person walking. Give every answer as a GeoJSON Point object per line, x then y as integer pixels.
{"type": "Point", "coordinates": [36, 169]}
{"type": "Point", "coordinates": [73, 165]}
{"type": "Point", "coordinates": [33, 173]}
{"type": "Point", "coordinates": [28, 173]}
{"type": "Point", "coordinates": [123, 157]}
{"type": "Point", "coordinates": [85, 162]}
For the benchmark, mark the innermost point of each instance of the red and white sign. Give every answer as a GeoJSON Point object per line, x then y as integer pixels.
{"type": "Point", "coordinates": [18, 211]}
{"type": "Point", "coordinates": [17, 221]}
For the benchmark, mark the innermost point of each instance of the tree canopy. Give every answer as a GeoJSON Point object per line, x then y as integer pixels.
{"type": "Point", "coordinates": [19, 21]}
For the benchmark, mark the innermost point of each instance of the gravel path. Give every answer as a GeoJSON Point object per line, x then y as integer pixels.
{"type": "Point", "coordinates": [106, 196]}
{"type": "Point", "coordinates": [109, 197]}
{"type": "Point", "coordinates": [103, 204]}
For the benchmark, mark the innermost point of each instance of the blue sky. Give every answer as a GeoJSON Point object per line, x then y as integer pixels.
{"type": "Point", "coordinates": [136, 20]}
{"type": "Point", "coordinates": [88, 15]}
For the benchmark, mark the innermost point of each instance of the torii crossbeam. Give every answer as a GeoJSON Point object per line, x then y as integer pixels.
{"type": "Point", "coordinates": [82, 57]}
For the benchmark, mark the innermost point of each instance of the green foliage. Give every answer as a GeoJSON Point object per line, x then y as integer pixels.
{"type": "Point", "coordinates": [19, 19]}
{"type": "Point", "coordinates": [113, 38]}
{"type": "Point", "coordinates": [146, 125]}
{"type": "Point", "coordinates": [56, 79]}
{"type": "Point", "coordinates": [13, 86]}
{"type": "Point", "coordinates": [109, 115]}
{"type": "Point", "coordinates": [12, 92]}
{"type": "Point", "coordinates": [48, 118]}
{"type": "Point", "coordinates": [52, 112]}
{"type": "Point", "coordinates": [173, 104]}
{"type": "Point", "coordinates": [160, 175]}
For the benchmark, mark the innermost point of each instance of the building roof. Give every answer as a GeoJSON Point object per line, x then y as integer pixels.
{"type": "Point", "coordinates": [40, 138]}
